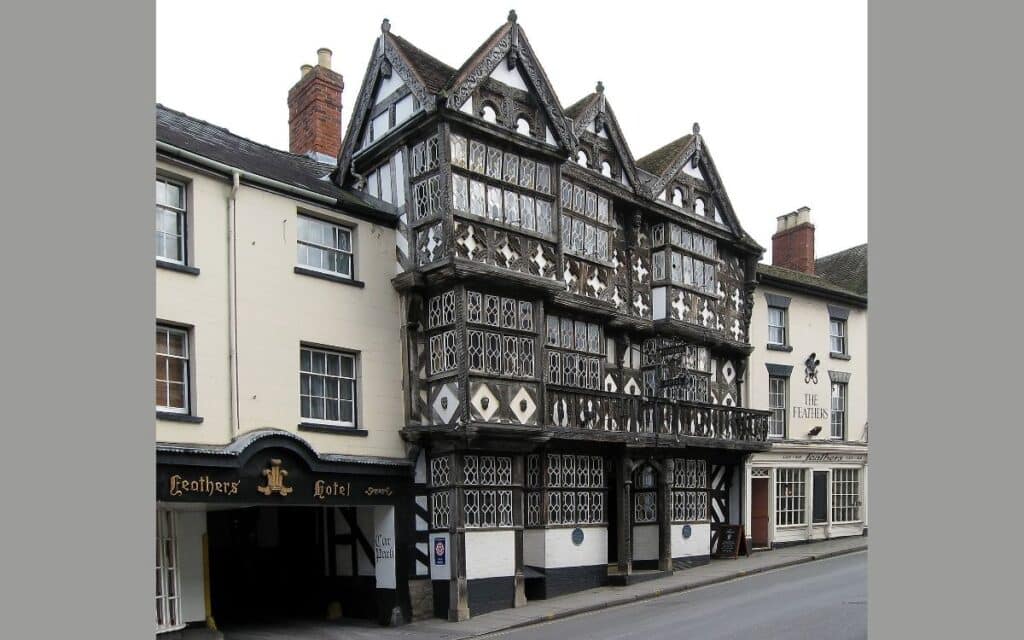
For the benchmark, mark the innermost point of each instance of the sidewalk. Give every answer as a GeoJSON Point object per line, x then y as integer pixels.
{"type": "Point", "coordinates": [576, 603]}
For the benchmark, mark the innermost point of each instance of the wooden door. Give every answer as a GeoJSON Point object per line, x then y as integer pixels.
{"type": "Point", "coordinates": [759, 505]}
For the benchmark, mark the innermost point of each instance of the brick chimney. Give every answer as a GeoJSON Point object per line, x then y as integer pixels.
{"type": "Point", "coordinates": [793, 242]}
{"type": "Point", "coordinates": [314, 111]}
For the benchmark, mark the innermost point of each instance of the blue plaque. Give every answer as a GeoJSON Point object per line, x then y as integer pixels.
{"type": "Point", "coordinates": [577, 536]}
{"type": "Point", "coordinates": [687, 531]}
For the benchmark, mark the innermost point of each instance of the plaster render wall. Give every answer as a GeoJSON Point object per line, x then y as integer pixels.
{"type": "Point", "coordinates": [698, 544]}
{"type": "Point", "coordinates": [278, 310]}
{"type": "Point", "coordinates": [490, 554]}
{"type": "Point", "coordinates": [808, 332]}
{"type": "Point", "coordinates": [560, 551]}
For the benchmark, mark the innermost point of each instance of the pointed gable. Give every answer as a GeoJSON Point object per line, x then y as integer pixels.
{"type": "Point", "coordinates": [689, 156]}
{"type": "Point", "coordinates": [509, 47]}
{"type": "Point", "coordinates": [394, 63]}
{"type": "Point", "coordinates": [594, 113]}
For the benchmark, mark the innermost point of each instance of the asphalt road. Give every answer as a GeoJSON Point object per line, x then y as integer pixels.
{"type": "Point", "coordinates": [816, 600]}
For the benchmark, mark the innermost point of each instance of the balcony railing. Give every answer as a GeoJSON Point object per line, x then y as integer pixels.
{"type": "Point", "coordinates": [603, 411]}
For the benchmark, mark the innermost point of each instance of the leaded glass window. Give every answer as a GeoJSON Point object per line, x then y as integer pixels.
{"type": "Point", "coordinates": [512, 208]}
{"type": "Point", "coordinates": [460, 193]}
{"type": "Point", "coordinates": [494, 163]}
{"type": "Point", "coordinates": [477, 198]}
{"type": "Point", "coordinates": [459, 151]}
{"type": "Point", "coordinates": [477, 156]}
{"type": "Point", "coordinates": [494, 203]}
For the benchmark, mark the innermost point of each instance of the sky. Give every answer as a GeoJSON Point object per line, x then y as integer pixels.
{"type": "Point", "coordinates": [779, 88]}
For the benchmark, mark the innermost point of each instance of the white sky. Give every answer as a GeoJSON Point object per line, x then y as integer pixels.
{"type": "Point", "coordinates": [779, 88]}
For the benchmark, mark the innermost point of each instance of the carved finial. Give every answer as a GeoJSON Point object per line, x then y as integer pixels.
{"type": "Point", "coordinates": [600, 87]}
{"type": "Point", "coordinates": [385, 26]}
{"type": "Point", "coordinates": [512, 17]}
{"type": "Point", "coordinates": [696, 128]}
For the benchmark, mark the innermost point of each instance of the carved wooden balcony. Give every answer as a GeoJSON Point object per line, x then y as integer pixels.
{"type": "Point", "coordinates": [651, 419]}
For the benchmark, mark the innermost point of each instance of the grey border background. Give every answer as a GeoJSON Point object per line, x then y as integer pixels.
{"type": "Point", "coordinates": [76, 545]}
{"type": "Point", "coordinates": [944, 178]}
{"type": "Point", "coordinates": [944, 183]}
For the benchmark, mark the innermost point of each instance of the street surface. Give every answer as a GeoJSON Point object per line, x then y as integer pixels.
{"type": "Point", "coordinates": [821, 599]}
{"type": "Point", "coordinates": [814, 601]}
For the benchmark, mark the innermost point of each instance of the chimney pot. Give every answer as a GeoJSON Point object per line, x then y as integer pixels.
{"type": "Point", "coordinates": [793, 242]}
{"type": "Point", "coordinates": [323, 57]}
{"type": "Point", "coordinates": [314, 110]}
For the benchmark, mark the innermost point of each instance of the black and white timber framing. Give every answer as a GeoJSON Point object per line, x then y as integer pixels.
{"type": "Point", "coordinates": [575, 330]}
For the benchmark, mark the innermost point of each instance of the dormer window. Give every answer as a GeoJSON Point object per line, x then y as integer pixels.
{"type": "Point", "coordinates": [677, 197]}
{"type": "Point", "coordinates": [606, 169]}
{"type": "Point", "coordinates": [582, 159]}
{"type": "Point", "coordinates": [489, 114]}
{"type": "Point", "coordinates": [698, 206]}
{"type": "Point", "coordinates": [522, 126]}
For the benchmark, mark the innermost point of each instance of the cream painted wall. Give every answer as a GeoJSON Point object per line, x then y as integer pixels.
{"type": "Point", "coordinates": [202, 302]}
{"type": "Point", "coordinates": [808, 331]}
{"type": "Point", "coordinates": [698, 544]}
{"type": "Point", "coordinates": [559, 550]}
{"type": "Point", "coordinates": [490, 554]}
{"type": "Point", "coordinates": [277, 311]}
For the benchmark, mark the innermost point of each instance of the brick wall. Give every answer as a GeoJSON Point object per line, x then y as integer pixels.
{"type": "Point", "coordinates": [314, 113]}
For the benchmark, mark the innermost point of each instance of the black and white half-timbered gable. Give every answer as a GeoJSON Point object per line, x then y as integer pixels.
{"type": "Point", "coordinates": [575, 327]}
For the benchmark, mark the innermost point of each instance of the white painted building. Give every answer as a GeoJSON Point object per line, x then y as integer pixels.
{"type": "Point", "coordinates": [809, 368]}
{"type": "Point", "coordinates": [278, 377]}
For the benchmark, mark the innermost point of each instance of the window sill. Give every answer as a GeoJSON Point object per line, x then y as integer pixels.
{"type": "Point", "coordinates": [780, 347]}
{"type": "Point", "coordinates": [334, 429]}
{"type": "Point", "coordinates": [326, 276]}
{"type": "Point", "coordinates": [839, 356]}
{"type": "Point", "coordinates": [178, 417]}
{"type": "Point", "coordinates": [180, 268]}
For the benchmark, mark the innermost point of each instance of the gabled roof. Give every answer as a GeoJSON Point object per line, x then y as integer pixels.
{"type": "Point", "coordinates": [425, 75]}
{"type": "Point", "coordinates": [659, 160]}
{"type": "Point", "coordinates": [847, 268]}
{"type": "Point", "coordinates": [215, 143]}
{"type": "Point", "coordinates": [595, 106]}
{"type": "Point", "coordinates": [666, 162]}
{"type": "Point", "coordinates": [509, 45]}
{"type": "Point", "coordinates": [813, 284]}
{"type": "Point", "coordinates": [436, 75]}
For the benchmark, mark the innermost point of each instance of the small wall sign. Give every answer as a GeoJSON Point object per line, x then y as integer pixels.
{"type": "Point", "coordinates": [577, 536]}
{"type": "Point", "coordinates": [440, 551]}
{"type": "Point", "coordinates": [687, 532]}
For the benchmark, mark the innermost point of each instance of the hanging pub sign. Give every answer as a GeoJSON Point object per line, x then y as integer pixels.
{"type": "Point", "coordinates": [731, 541]}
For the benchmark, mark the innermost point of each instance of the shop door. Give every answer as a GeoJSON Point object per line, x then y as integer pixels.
{"type": "Point", "coordinates": [759, 505]}
{"type": "Point", "coordinates": [820, 496]}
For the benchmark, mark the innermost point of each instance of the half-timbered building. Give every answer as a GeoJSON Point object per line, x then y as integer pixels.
{"type": "Point", "coordinates": [574, 327]}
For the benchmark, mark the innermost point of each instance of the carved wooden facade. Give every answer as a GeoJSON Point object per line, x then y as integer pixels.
{"type": "Point", "coordinates": [565, 303]}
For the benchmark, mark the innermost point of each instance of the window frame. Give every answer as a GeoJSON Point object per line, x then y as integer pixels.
{"type": "Point", "coordinates": [166, 538]}
{"type": "Point", "coordinates": [186, 333]}
{"type": "Point", "coordinates": [847, 479]}
{"type": "Point", "coordinates": [796, 507]}
{"type": "Point", "coordinates": [183, 219]}
{"type": "Point", "coordinates": [842, 336]}
{"type": "Point", "coordinates": [341, 425]}
{"type": "Point", "coordinates": [844, 393]}
{"type": "Point", "coordinates": [784, 380]}
{"type": "Point", "coordinates": [336, 226]}
{"type": "Point", "coordinates": [783, 326]}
